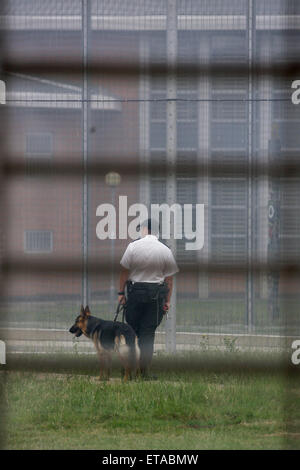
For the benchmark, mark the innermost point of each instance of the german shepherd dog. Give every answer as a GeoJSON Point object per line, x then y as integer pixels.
{"type": "Point", "coordinates": [109, 336]}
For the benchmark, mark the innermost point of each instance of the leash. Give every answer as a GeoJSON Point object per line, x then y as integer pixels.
{"type": "Point", "coordinates": [120, 308]}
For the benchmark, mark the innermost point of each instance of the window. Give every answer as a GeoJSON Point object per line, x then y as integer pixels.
{"type": "Point", "coordinates": [187, 137]}
{"type": "Point", "coordinates": [158, 109]}
{"type": "Point", "coordinates": [158, 135]}
{"type": "Point", "coordinates": [228, 136]}
{"type": "Point", "coordinates": [228, 219]}
{"type": "Point", "coordinates": [224, 109]}
{"type": "Point", "coordinates": [39, 145]}
{"type": "Point", "coordinates": [289, 135]}
{"type": "Point", "coordinates": [284, 110]}
{"type": "Point", "coordinates": [38, 241]}
{"type": "Point", "coordinates": [186, 194]}
{"type": "Point", "coordinates": [39, 151]}
{"type": "Point", "coordinates": [228, 48]}
{"type": "Point", "coordinates": [289, 217]}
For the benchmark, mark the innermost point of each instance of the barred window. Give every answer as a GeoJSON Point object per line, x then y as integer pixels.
{"type": "Point", "coordinates": [38, 241]}
{"type": "Point", "coordinates": [39, 144]}
{"type": "Point", "coordinates": [228, 219]}
{"type": "Point", "coordinates": [289, 217]}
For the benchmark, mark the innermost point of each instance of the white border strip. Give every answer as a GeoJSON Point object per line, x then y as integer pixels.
{"type": "Point", "coordinates": [147, 23]}
{"type": "Point", "coordinates": [30, 99]}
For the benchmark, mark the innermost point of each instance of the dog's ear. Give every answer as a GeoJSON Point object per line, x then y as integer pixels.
{"type": "Point", "coordinates": [81, 310]}
{"type": "Point", "coordinates": [87, 311]}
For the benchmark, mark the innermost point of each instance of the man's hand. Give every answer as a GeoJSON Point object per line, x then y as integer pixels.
{"type": "Point", "coordinates": [123, 279]}
{"type": "Point", "coordinates": [169, 282]}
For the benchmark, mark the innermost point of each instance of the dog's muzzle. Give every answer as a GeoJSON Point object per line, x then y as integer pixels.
{"type": "Point", "coordinates": [75, 330]}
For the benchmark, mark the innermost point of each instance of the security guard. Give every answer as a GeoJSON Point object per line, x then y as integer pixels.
{"type": "Point", "coordinates": [147, 269]}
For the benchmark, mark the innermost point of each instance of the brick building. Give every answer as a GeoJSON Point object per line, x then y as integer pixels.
{"type": "Point", "coordinates": [128, 118]}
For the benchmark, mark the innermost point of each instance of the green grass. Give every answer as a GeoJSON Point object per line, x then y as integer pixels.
{"type": "Point", "coordinates": [183, 410]}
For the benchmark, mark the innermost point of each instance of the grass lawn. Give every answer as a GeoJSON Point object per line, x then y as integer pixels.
{"type": "Point", "coordinates": [183, 410]}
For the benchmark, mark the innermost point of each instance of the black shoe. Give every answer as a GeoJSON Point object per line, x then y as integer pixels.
{"type": "Point", "coordinates": [149, 377]}
{"type": "Point", "coordinates": [146, 376]}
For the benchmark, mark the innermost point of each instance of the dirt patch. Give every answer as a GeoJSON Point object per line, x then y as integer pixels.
{"type": "Point", "coordinates": [59, 376]}
{"type": "Point", "coordinates": [283, 434]}
{"type": "Point", "coordinates": [259, 423]}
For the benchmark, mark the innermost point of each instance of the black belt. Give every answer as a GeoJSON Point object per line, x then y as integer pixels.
{"type": "Point", "coordinates": [145, 284]}
{"type": "Point", "coordinates": [153, 289]}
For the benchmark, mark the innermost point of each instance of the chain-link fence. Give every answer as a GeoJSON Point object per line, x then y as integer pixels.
{"type": "Point", "coordinates": [110, 104]}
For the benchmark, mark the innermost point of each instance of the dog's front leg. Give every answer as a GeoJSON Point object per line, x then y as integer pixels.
{"type": "Point", "coordinates": [101, 355]}
{"type": "Point", "coordinates": [108, 365]}
{"type": "Point", "coordinates": [101, 362]}
{"type": "Point", "coordinates": [127, 374]}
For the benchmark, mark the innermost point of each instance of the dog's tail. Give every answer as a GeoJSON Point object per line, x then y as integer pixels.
{"type": "Point", "coordinates": [133, 351]}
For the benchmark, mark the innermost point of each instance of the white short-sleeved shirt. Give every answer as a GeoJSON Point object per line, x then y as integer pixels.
{"type": "Point", "coordinates": [148, 260]}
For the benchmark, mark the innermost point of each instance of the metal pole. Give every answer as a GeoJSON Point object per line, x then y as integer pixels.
{"type": "Point", "coordinates": [171, 152]}
{"type": "Point", "coordinates": [251, 32]}
{"type": "Point", "coordinates": [273, 225]}
{"type": "Point", "coordinates": [203, 156]}
{"type": "Point", "coordinates": [144, 109]}
{"type": "Point", "coordinates": [112, 278]}
{"type": "Point", "coordinates": [85, 31]}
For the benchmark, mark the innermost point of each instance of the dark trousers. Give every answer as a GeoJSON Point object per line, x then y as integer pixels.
{"type": "Point", "coordinates": [144, 315]}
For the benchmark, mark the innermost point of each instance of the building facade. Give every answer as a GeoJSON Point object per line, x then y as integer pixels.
{"type": "Point", "coordinates": [219, 115]}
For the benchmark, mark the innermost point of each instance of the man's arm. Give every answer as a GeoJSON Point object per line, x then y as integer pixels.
{"type": "Point", "coordinates": [169, 282]}
{"type": "Point", "coordinates": [123, 278]}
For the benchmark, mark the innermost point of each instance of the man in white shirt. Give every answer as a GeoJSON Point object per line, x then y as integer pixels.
{"type": "Point", "coordinates": [147, 269]}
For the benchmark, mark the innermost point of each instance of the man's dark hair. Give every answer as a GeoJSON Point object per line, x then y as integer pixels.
{"type": "Point", "coordinates": [151, 225]}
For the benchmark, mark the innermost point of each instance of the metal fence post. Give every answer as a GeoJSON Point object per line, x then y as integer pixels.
{"type": "Point", "coordinates": [250, 183]}
{"type": "Point", "coordinates": [84, 110]}
{"type": "Point", "coordinates": [171, 152]}
{"type": "Point", "coordinates": [203, 182]}
{"type": "Point", "coordinates": [144, 123]}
